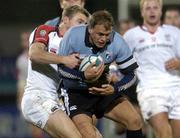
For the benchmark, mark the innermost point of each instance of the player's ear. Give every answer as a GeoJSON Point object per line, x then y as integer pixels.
{"type": "Point", "coordinates": [65, 20]}
{"type": "Point", "coordinates": [82, 3]}
{"type": "Point", "coordinates": [90, 30]}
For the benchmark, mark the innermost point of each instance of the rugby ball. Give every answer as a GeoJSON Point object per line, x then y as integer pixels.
{"type": "Point", "coordinates": [89, 60]}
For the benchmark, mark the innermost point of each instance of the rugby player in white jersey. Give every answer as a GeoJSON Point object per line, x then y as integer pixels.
{"type": "Point", "coordinates": [40, 103]}
{"type": "Point", "coordinates": [156, 48]}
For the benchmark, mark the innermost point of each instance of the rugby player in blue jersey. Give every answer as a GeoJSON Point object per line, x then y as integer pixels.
{"type": "Point", "coordinates": [81, 101]}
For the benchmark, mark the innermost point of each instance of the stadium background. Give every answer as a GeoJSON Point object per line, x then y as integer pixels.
{"type": "Point", "coordinates": [16, 16]}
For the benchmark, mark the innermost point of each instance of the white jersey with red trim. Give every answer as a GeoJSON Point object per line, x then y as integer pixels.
{"type": "Point", "coordinates": [151, 51]}
{"type": "Point", "coordinates": [43, 77]}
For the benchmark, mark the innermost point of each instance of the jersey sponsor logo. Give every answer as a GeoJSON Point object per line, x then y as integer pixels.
{"type": "Point", "coordinates": [42, 33]}
{"type": "Point", "coordinates": [74, 107]}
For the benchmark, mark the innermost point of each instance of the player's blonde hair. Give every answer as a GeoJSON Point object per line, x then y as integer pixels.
{"type": "Point", "coordinates": [141, 3]}
{"type": "Point", "coordinates": [72, 10]}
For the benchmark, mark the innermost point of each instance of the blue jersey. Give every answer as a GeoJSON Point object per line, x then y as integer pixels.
{"type": "Point", "coordinates": [53, 22]}
{"type": "Point", "coordinates": [76, 40]}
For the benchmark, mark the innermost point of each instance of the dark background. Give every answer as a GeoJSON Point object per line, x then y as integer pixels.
{"type": "Point", "coordinates": [38, 11]}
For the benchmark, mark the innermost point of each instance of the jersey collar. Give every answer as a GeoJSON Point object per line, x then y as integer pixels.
{"type": "Point", "coordinates": [144, 28]}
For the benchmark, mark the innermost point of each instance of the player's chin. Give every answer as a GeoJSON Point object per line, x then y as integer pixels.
{"type": "Point", "coordinates": [153, 21]}
{"type": "Point", "coordinates": [100, 45]}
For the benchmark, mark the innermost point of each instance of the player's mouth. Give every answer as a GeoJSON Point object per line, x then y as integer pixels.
{"type": "Point", "coordinates": [101, 44]}
{"type": "Point", "coordinates": [152, 17]}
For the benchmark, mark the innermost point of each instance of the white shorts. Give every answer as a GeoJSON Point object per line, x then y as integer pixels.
{"type": "Point", "coordinates": [37, 106]}
{"type": "Point", "coordinates": [156, 100]}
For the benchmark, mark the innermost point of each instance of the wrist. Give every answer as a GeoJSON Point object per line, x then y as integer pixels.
{"type": "Point", "coordinates": [62, 59]}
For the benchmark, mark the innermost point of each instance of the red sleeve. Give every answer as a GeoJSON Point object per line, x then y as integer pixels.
{"type": "Point", "coordinates": [42, 33]}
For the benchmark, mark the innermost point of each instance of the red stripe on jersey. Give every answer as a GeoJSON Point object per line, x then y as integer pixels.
{"type": "Point", "coordinates": [42, 33]}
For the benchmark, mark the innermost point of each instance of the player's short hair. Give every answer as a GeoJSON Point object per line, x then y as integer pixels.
{"type": "Point", "coordinates": [141, 3]}
{"type": "Point", "coordinates": [72, 10]}
{"type": "Point", "coordinates": [172, 8]}
{"type": "Point", "coordinates": [101, 17]}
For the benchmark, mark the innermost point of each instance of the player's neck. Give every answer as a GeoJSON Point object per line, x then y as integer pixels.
{"type": "Point", "coordinates": [62, 29]}
{"type": "Point", "coordinates": [152, 27]}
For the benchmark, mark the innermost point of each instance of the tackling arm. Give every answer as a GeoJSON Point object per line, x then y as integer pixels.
{"type": "Point", "coordinates": [38, 53]}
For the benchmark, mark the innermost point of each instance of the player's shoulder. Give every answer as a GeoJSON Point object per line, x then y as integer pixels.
{"type": "Point", "coordinates": [80, 27]}
{"type": "Point", "coordinates": [45, 28]}
{"type": "Point", "coordinates": [170, 28]}
{"type": "Point", "coordinates": [78, 30]}
{"type": "Point", "coordinates": [133, 32]}
{"type": "Point", "coordinates": [41, 33]}
{"type": "Point", "coordinates": [116, 37]}
{"type": "Point", "coordinates": [53, 22]}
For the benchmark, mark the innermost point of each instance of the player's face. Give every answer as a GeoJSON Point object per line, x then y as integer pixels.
{"type": "Point", "coordinates": [99, 35]}
{"type": "Point", "coordinates": [77, 19]}
{"type": "Point", "coordinates": [68, 3]}
{"type": "Point", "coordinates": [172, 18]}
{"type": "Point", "coordinates": [151, 12]}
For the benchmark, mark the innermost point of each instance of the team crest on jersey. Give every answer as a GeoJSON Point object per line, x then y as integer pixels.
{"type": "Point", "coordinates": [42, 33]}
{"type": "Point", "coordinates": [108, 55]}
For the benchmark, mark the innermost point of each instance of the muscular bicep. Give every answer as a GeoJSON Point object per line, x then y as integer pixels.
{"type": "Point", "coordinates": [36, 50]}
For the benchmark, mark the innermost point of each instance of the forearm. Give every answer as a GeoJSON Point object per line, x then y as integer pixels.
{"type": "Point", "coordinates": [127, 81]}
{"type": "Point", "coordinates": [38, 54]}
